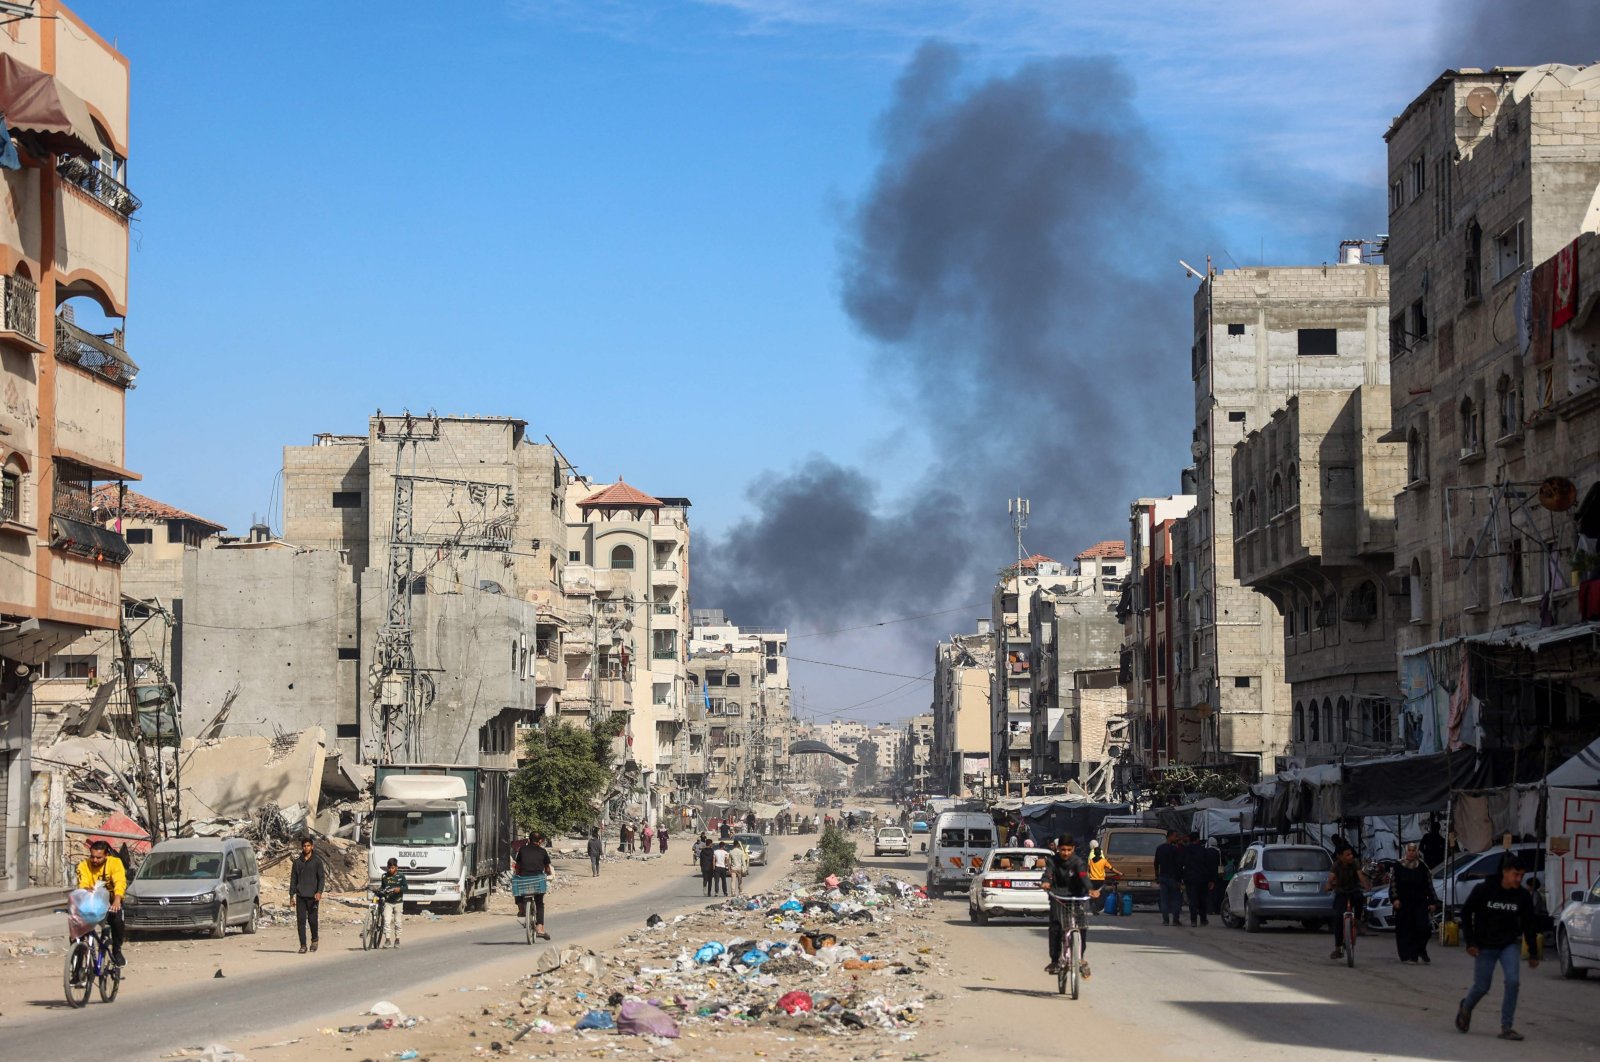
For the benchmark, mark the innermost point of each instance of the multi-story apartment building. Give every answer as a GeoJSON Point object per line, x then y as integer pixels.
{"type": "Point", "coordinates": [963, 680]}
{"type": "Point", "coordinates": [736, 744]}
{"type": "Point", "coordinates": [1260, 336]}
{"type": "Point", "coordinates": [1316, 487]}
{"type": "Point", "coordinates": [886, 741]}
{"type": "Point", "coordinates": [1011, 684]}
{"type": "Point", "coordinates": [1074, 643]}
{"type": "Point", "coordinates": [1493, 210]}
{"type": "Point", "coordinates": [916, 755]}
{"type": "Point", "coordinates": [63, 313]}
{"type": "Point", "coordinates": [1152, 642]}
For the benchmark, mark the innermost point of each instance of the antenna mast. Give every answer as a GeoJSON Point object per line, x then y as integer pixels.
{"type": "Point", "coordinates": [1018, 508]}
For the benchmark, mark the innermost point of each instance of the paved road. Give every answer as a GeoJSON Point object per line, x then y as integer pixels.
{"type": "Point", "coordinates": [144, 1023]}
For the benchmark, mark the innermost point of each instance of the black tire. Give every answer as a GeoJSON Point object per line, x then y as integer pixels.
{"type": "Point", "coordinates": [1570, 970]}
{"type": "Point", "coordinates": [977, 916]}
{"type": "Point", "coordinates": [251, 923]}
{"type": "Point", "coordinates": [1252, 921]}
{"type": "Point", "coordinates": [1229, 919]}
{"type": "Point", "coordinates": [219, 927]}
{"type": "Point", "coordinates": [1349, 935]}
{"type": "Point", "coordinates": [370, 930]}
{"type": "Point", "coordinates": [1074, 959]}
{"type": "Point", "coordinates": [110, 982]}
{"type": "Point", "coordinates": [529, 926]}
{"type": "Point", "coordinates": [77, 996]}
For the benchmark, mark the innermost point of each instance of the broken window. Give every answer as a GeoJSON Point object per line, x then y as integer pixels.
{"type": "Point", "coordinates": [1417, 321]}
{"type": "Point", "coordinates": [1471, 439]}
{"type": "Point", "coordinates": [1236, 329]}
{"type": "Point", "coordinates": [1508, 251]}
{"type": "Point", "coordinates": [1397, 196]}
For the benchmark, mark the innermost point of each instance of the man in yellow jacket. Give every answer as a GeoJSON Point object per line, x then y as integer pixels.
{"type": "Point", "coordinates": [103, 868]}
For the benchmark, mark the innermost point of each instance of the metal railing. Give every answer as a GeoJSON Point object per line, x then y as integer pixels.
{"type": "Point", "coordinates": [21, 306]}
{"type": "Point", "coordinates": [96, 353]}
{"type": "Point", "coordinates": [100, 185]}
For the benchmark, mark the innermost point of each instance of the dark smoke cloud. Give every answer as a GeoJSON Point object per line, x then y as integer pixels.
{"type": "Point", "coordinates": [1486, 33]}
{"type": "Point", "coordinates": [1016, 259]}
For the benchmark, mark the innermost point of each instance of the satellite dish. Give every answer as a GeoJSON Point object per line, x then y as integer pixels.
{"type": "Point", "coordinates": [1482, 101]}
{"type": "Point", "coordinates": [1558, 494]}
{"type": "Point", "coordinates": [1197, 449]}
{"type": "Point", "coordinates": [1546, 75]}
{"type": "Point", "coordinates": [1587, 78]}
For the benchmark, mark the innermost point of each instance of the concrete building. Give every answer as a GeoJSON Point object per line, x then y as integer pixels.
{"type": "Point", "coordinates": [1260, 336]}
{"type": "Point", "coordinates": [65, 370]}
{"type": "Point", "coordinates": [1316, 485]}
{"type": "Point", "coordinates": [963, 680]}
{"type": "Point", "coordinates": [740, 726]}
{"type": "Point", "coordinates": [1494, 203]}
{"type": "Point", "coordinates": [1011, 688]}
{"type": "Point", "coordinates": [1075, 641]}
{"type": "Point", "coordinates": [628, 567]}
{"type": "Point", "coordinates": [1161, 729]}
{"type": "Point", "coordinates": [916, 755]}
{"type": "Point", "coordinates": [886, 742]}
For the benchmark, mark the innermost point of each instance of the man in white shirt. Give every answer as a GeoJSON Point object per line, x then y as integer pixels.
{"type": "Point", "coordinates": [719, 866]}
{"type": "Point", "coordinates": [738, 865]}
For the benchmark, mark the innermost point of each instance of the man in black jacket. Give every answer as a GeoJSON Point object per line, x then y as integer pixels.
{"type": "Point", "coordinates": [1169, 876]}
{"type": "Point", "coordinates": [1200, 865]}
{"type": "Point", "coordinates": [707, 866]}
{"type": "Point", "coordinates": [1497, 918]}
{"type": "Point", "coordinates": [308, 878]}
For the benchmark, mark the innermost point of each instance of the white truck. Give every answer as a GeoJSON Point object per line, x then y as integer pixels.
{"type": "Point", "coordinates": [450, 828]}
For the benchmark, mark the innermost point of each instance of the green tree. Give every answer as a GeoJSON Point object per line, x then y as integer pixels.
{"type": "Point", "coordinates": [1182, 784]}
{"type": "Point", "coordinates": [565, 771]}
{"type": "Point", "coordinates": [836, 853]}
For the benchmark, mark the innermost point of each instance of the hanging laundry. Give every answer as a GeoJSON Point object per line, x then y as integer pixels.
{"type": "Point", "coordinates": [1564, 301]}
{"type": "Point", "coordinates": [8, 150]}
{"type": "Point", "coordinates": [1539, 346]}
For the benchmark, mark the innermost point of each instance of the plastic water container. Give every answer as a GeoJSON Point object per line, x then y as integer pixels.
{"type": "Point", "coordinates": [1127, 904]}
{"type": "Point", "coordinates": [1111, 903]}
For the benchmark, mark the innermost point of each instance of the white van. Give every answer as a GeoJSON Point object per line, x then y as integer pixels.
{"type": "Point", "coordinates": [960, 842]}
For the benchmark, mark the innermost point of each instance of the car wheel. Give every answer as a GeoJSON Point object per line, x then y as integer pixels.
{"type": "Point", "coordinates": [1569, 969]}
{"type": "Point", "coordinates": [219, 928]}
{"type": "Point", "coordinates": [978, 917]}
{"type": "Point", "coordinates": [1252, 922]}
{"type": "Point", "coordinates": [1229, 919]}
{"type": "Point", "coordinates": [255, 915]}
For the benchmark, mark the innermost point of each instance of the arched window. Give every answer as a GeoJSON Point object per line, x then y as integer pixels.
{"type": "Point", "coordinates": [1343, 733]}
{"type": "Point", "coordinates": [1416, 455]}
{"type": "Point", "coordinates": [1299, 725]}
{"type": "Point", "coordinates": [1414, 592]}
{"type": "Point", "coordinates": [622, 558]}
{"type": "Point", "coordinates": [1255, 510]}
{"type": "Point", "coordinates": [733, 678]}
{"type": "Point", "coordinates": [1288, 619]}
{"type": "Point", "coordinates": [1327, 719]}
{"type": "Point", "coordinates": [1275, 495]}
{"type": "Point", "coordinates": [1471, 436]}
{"type": "Point", "coordinates": [1294, 485]}
{"type": "Point", "coordinates": [1311, 719]}
{"type": "Point", "coordinates": [1238, 517]}
{"type": "Point", "coordinates": [1316, 614]}
{"type": "Point", "coordinates": [1330, 610]}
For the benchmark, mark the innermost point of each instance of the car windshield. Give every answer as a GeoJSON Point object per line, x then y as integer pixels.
{"type": "Point", "coordinates": [750, 839]}
{"type": "Point", "coordinates": [1294, 859]}
{"type": "Point", "coordinates": [891, 831]}
{"type": "Point", "coordinates": [1132, 844]}
{"type": "Point", "coordinates": [414, 827]}
{"type": "Point", "coordinates": [179, 866]}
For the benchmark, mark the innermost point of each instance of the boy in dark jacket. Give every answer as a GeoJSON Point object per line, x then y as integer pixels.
{"type": "Point", "coordinates": [1497, 918]}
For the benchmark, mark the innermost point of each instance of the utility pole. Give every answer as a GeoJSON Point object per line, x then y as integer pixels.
{"type": "Point", "coordinates": [153, 820]}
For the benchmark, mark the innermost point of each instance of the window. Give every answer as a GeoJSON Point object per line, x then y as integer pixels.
{"type": "Point", "coordinates": [349, 653]}
{"type": "Point", "coordinates": [1330, 610]}
{"type": "Point", "coordinates": [733, 678]}
{"type": "Point", "coordinates": [1236, 416]}
{"type": "Point", "coordinates": [1311, 718]}
{"type": "Point", "coordinates": [1298, 727]}
{"type": "Point", "coordinates": [1255, 511]}
{"type": "Point", "coordinates": [1275, 495]}
{"type": "Point", "coordinates": [347, 499]}
{"type": "Point", "coordinates": [731, 708]}
{"type": "Point", "coordinates": [1236, 329]}
{"type": "Point", "coordinates": [1416, 455]}
{"type": "Point", "coordinates": [1514, 578]}
{"type": "Point", "coordinates": [1241, 682]}
{"type": "Point", "coordinates": [139, 536]}
{"type": "Point", "coordinates": [1472, 263]}
{"type": "Point", "coordinates": [574, 556]}
{"type": "Point", "coordinates": [1363, 603]}
{"type": "Point", "coordinates": [1318, 342]}
{"type": "Point", "coordinates": [714, 678]}
{"type": "Point", "coordinates": [1419, 178]}
{"type": "Point", "coordinates": [661, 693]}
{"type": "Point", "coordinates": [1414, 592]}
{"type": "Point", "coordinates": [1417, 321]}
{"type": "Point", "coordinates": [1398, 343]}
{"type": "Point", "coordinates": [11, 496]}
{"type": "Point", "coordinates": [1294, 485]}
{"type": "Point", "coordinates": [347, 730]}
{"type": "Point", "coordinates": [1288, 622]}
{"type": "Point", "coordinates": [1508, 252]}
{"type": "Point", "coordinates": [1316, 614]}
{"type": "Point", "coordinates": [175, 531]}
{"type": "Point", "coordinates": [1397, 196]}
{"type": "Point", "coordinates": [1383, 723]}
{"type": "Point", "coordinates": [622, 558]}
{"type": "Point", "coordinates": [71, 667]}
{"type": "Point", "coordinates": [136, 609]}
{"type": "Point", "coordinates": [1508, 402]}
{"type": "Point", "coordinates": [1471, 435]}
{"type": "Point", "coordinates": [1305, 618]}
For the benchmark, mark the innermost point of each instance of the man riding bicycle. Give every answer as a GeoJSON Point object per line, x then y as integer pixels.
{"type": "Point", "coordinates": [1347, 881]}
{"type": "Point", "coordinates": [1066, 876]}
{"type": "Point", "coordinates": [391, 892]}
{"type": "Point", "coordinates": [103, 868]}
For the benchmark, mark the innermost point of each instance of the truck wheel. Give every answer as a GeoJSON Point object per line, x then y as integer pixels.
{"type": "Point", "coordinates": [457, 908]}
{"type": "Point", "coordinates": [219, 928]}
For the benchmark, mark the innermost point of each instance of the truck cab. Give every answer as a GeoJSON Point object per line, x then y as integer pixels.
{"type": "Point", "coordinates": [427, 819]}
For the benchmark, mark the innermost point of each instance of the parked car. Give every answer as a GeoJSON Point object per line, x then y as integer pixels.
{"type": "Point", "coordinates": [1010, 883]}
{"type": "Point", "coordinates": [919, 825]}
{"type": "Point", "coordinates": [1578, 933]}
{"type": "Point", "coordinates": [196, 883]}
{"type": "Point", "coordinates": [1132, 850]}
{"type": "Point", "coordinates": [891, 840]}
{"type": "Point", "coordinates": [1280, 882]}
{"type": "Point", "coordinates": [1456, 879]}
{"type": "Point", "coordinates": [756, 845]}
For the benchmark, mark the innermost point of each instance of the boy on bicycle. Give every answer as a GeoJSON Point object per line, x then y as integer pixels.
{"type": "Point", "coordinates": [391, 890]}
{"type": "Point", "coordinates": [103, 868]}
{"type": "Point", "coordinates": [1066, 876]}
{"type": "Point", "coordinates": [1348, 882]}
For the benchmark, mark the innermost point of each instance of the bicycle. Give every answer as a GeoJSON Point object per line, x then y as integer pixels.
{"type": "Point", "coordinates": [1067, 967]}
{"type": "Point", "coordinates": [1347, 932]}
{"type": "Point", "coordinates": [88, 964]}
{"type": "Point", "coordinates": [372, 928]}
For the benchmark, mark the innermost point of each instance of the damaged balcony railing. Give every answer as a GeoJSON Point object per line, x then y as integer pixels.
{"type": "Point", "coordinates": [99, 354]}
{"type": "Point", "coordinates": [105, 188]}
{"type": "Point", "coordinates": [21, 305]}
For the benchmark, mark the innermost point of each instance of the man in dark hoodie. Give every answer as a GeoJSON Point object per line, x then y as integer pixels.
{"type": "Point", "coordinates": [1497, 918]}
{"type": "Point", "coordinates": [596, 848]}
{"type": "Point", "coordinates": [308, 878]}
{"type": "Point", "coordinates": [1169, 876]}
{"type": "Point", "coordinates": [707, 866]}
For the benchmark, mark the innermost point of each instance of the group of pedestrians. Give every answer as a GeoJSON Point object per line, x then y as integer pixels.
{"type": "Point", "coordinates": [1188, 870]}
{"type": "Point", "coordinates": [632, 836]}
{"type": "Point", "coordinates": [721, 862]}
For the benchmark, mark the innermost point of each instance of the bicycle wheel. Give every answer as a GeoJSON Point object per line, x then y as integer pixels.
{"type": "Point", "coordinates": [77, 961]}
{"type": "Point", "coordinates": [369, 930]}
{"type": "Point", "coordinates": [110, 982]}
{"type": "Point", "coordinates": [1075, 958]}
{"type": "Point", "coordinates": [528, 924]}
{"type": "Point", "coordinates": [1349, 939]}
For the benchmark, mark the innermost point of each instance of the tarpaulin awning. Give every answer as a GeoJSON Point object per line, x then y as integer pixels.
{"type": "Point", "coordinates": [1580, 772]}
{"type": "Point", "coordinates": [1077, 818]}
{"type": "Point", "coordinates": [801, 748]}
{"type": "Point", "coordinates": [1408, 785]}
{"type": "Point", "coordinates": [39, 106]}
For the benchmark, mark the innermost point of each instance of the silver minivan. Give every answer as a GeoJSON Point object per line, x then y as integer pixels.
{"type": "Point", "coordinates": [196, 883]}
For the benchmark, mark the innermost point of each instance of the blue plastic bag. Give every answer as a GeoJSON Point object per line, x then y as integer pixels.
{"type": "Point", "coordinates": [90, 905]}
{"type": "Point", "coordinates": [791, 905]}
{"type": "Point", "coordinates": [754, 957]}
{"type": "Point", "coordinates": [709, 952]}
{"type": "Point", "coordinates": [597, 1019]}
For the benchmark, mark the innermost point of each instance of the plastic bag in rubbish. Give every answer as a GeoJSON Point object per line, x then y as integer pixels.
{"type": "Point", "coordinates": [384, 1009]}
{"type": "Point", "coordinates": [796, 1002]}
{"type": "Point", "coordinates": [709, 952]}
{"type": "Point", "coordinates": [791, 905]}
{"type": "Point", "coordinates": [754, 957]}
{"type": "Point", "coordinates": [637, 1018]}
{"type": "Point", "coordinates": [831, 881]}
{"type": "Point", "coordinates": [597, 1019]}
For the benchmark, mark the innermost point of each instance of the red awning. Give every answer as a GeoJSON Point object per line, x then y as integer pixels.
{"type": "Point", "coordinates": [39, 106]}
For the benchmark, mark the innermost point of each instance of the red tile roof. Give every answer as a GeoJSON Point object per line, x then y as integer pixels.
{"type": "Point", "coordinates": [1030, 564]}
{"type": "Point", "coordinates": [1104, 549]}
{"type": "Point", "coordinates": [141, 507]}
{"type": "Point", "coordinates": [620, 496]}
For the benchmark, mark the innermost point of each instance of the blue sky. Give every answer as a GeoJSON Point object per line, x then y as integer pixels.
{"type": "Point", "coordinates": [622, 220]}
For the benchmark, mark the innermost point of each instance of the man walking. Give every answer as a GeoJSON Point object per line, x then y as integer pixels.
{"type": "Point", "coordinates": [1496, 919]}
{"type": "Point", "coordinates": [708, 865]}
{"type": "Point", "coordinates": [738, 865]}
{"type": "Point", "coordinates": [1169, 876]}
{"type": "Point", "coordinates": [596, 848]}
{"type": "Point", "coordinates": [1199, 876]}
{"type": "Point", "coordinates": [308, 879]}
{"type": "Point", "coordinates": [720, 864]}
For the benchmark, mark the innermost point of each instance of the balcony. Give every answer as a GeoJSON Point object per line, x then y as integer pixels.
{"type": "Point", "coordinates": [101, 355]}
{"type": "Point", "coordinates": [666, 575]}
{"type": "Point", "coordinates": [99, 185]}
{"type": "Point", "coordinates": [20, 326]}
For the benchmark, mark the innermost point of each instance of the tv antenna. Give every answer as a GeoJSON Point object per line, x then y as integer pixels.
{"type": "Point", "coordinates": [1018, 508]}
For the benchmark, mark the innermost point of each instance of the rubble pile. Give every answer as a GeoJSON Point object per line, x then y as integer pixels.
{"type": "Point", "coordinates": [845, 959]}
{"type": "Point", "coordinates": [345, 861]}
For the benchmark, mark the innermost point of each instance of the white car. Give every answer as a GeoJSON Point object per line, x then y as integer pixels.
{"type": "Point", "coordinates": [891, 840]}
{"type": "Point", "coordinates": [1578, 933]}
{"type": "Point", "coordinates": [1010, 883]}
{"type": "Point", "coordinates": [1453, 888]}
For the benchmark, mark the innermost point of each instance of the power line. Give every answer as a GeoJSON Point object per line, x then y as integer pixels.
{"type": "Point", "coordinates": [887, 622]}
{"type": "Point", "coordinates": [866, 670]}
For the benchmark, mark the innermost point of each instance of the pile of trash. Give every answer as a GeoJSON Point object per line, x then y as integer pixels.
{"type": "Point", "coordinates": [847, 957]}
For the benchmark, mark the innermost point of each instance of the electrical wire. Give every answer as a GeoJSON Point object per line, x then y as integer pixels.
{"type": "Point", "coordinates": [865, 670]}
{"type": "Point", "coordinates": [887, 622]}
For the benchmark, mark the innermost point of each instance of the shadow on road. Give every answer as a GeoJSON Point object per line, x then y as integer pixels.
{"type": "Point", "coordinates": [1032, 993]}
{"type": "Point", "coordinates": [51, 1004]}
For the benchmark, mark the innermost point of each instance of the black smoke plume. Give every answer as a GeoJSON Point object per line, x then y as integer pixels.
{"type": "Point", "coordinates": [1016, 258]}
{"type": "Point", "coordinates": [1488, 33]}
